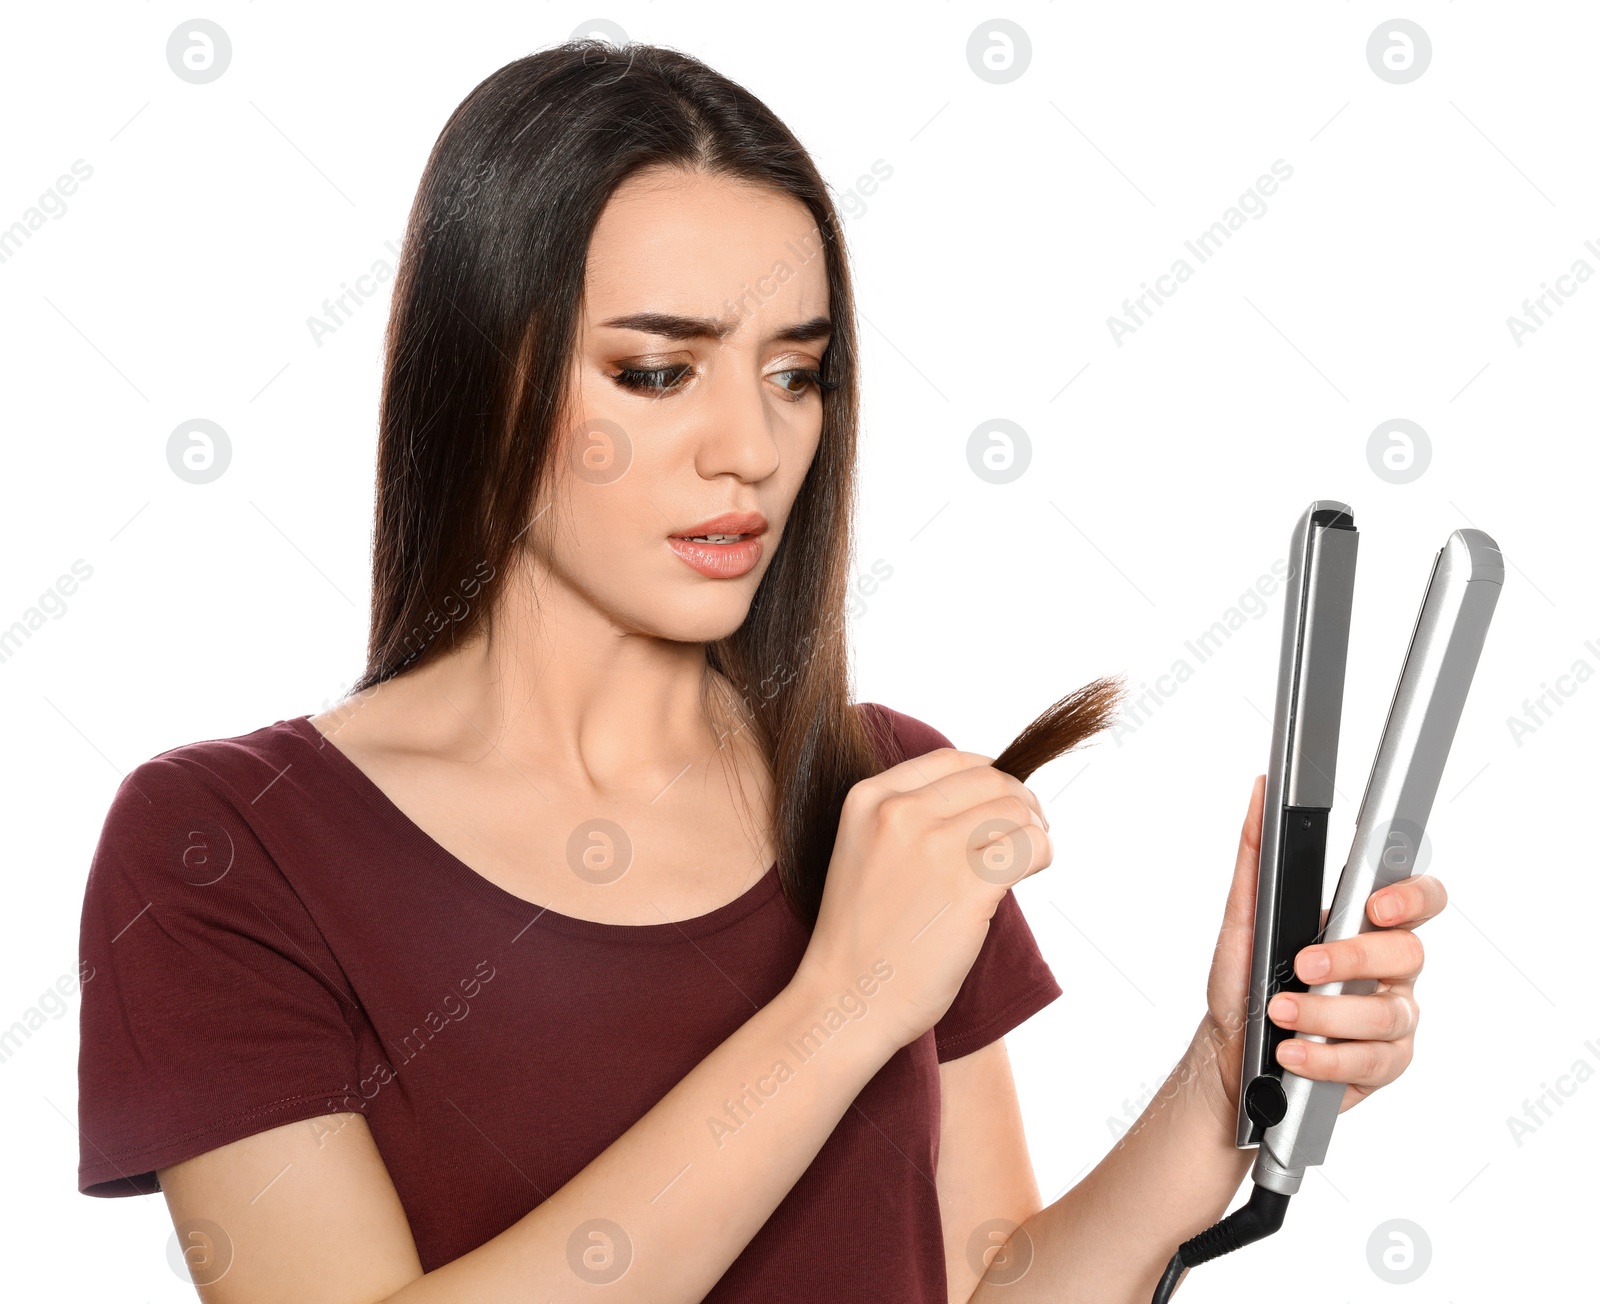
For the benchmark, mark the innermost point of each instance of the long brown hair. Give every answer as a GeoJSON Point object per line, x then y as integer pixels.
{"type": "Point", "coordinates": [476, 381]}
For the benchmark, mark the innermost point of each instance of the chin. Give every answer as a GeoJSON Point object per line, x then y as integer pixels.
{"type": "Point", "coordinates": [706, 620]}
{"type": "Point", "coordinates": [679, 610]}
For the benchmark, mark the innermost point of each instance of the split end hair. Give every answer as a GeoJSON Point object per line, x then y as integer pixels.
{"type": "Point", "coordinates": [1071, 721]}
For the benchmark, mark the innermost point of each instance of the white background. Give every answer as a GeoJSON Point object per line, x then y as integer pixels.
{"type": "Point", "coordinates": [1166, 474]}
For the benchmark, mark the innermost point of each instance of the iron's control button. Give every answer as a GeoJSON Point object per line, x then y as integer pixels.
{"type": "Point", "coordinates": [1264, 1100]}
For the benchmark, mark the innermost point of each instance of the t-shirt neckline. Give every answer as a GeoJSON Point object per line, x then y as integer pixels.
{"type": "Point", "coordinates": [357, 779]}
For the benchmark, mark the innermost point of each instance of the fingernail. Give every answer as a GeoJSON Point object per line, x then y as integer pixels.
{"type": "Point", "coordinates": [1283, 1008]}
{"type": "Point", "coordinates": [1388, 909]}
{"type": "Point", "coordinates": [1292, 1052]}
{"type": "Point", "coordinates": [1315, 963]}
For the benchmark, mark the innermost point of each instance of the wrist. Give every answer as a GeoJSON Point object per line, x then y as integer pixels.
{"type": "Point", "coordinates": [1207, 1063]}
{"type": "Point", "coordinates": [819, 1008]}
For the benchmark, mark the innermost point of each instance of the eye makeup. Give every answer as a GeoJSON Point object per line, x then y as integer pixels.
{"type": "Point", "coordinates": [660, 381]}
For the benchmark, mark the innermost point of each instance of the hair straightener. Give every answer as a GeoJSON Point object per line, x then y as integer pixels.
{"type": "Point", "coordinates": [1294, 827]}
{"type": "Point", "coordinates": [1289, 1119]}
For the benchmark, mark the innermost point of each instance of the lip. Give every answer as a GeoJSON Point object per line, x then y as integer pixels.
{"type": "Point", "coordinates": [722, 561]}
{"type": "Point", "coordinates": [751, 523]}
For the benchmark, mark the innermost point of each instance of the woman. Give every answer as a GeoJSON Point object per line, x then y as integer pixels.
{"type": "Point", "coordinates": [597, 946]}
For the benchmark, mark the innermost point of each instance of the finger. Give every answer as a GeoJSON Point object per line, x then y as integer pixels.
{"type": "Point", "coordinates": [1240, 909]}
{"type": "Point", "coordinates": [1001, 848]}
{"type": "Point", "coordinates": [1360, 1063]}
{"type": "Point", "coordinates": [961, 790]}
{"type": "Point", "coordinates": [1383, 1016]}
{"type": "Point", "coordinates": [1390, 955]}
{"type": "Point", "coordinates": [930, 767]}
{"type": "Point", "coordinates": [1406, 904]}
{"type": "Point", "coordinates": [1250, 834]}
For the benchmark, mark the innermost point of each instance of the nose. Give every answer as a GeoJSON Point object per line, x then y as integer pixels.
{"type": "Point", "coordinates": [737, 437]}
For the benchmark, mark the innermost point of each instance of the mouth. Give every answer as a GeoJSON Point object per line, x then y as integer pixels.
{"type": "Point", "coordinates": [724, 547]}
{"type": "Point", "coordinates": [730, 527]}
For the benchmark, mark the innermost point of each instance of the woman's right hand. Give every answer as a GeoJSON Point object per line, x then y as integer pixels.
{"type": "Point", "coordinates": [925, 852]}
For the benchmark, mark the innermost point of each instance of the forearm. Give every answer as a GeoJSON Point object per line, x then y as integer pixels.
{"type": "Point", "coordinates": [684, 1190]}
{"type": "Point", "coordinates": [1108, 1240]}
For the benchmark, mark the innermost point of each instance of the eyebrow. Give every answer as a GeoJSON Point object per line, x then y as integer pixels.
{"type": "Point", "coordinates": [674, 327]}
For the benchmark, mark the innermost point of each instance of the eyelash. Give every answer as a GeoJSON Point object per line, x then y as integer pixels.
{"type": "Point", "coordinates": [652, 380]}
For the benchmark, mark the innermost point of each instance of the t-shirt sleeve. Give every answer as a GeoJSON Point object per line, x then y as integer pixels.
{"type": "Point", "coordinates": [1010, 980]}
{"type": "Point", "coordinates": [211, 1007]}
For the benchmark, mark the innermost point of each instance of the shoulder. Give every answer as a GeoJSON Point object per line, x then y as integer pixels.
{"type": "Point", "coordinates": [200, 847]}
{"type": "Point", "coordinates": [168, 796]}
{"type": "Point", "coordinates": [901, 736]}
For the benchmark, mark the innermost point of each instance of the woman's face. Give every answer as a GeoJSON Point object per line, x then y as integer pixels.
{"type": "Point", "coordinates": [702, 337]}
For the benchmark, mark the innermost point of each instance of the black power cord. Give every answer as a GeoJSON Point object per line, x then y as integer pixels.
{"type": "Point", "coordinates": [1260, 1217]}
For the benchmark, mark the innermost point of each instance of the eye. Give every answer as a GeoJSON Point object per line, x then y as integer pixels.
{"type": "Point", "coordinates": [652, 380]}
{"type": "Point", "coordinates": [805, 376]}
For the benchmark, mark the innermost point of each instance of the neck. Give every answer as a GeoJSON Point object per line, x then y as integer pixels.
{"type": "Point", "coordinates": [560, 684]}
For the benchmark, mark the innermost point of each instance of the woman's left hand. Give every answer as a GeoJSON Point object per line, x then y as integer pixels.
{"type": "Point", "coordinates": [1375, 1033]}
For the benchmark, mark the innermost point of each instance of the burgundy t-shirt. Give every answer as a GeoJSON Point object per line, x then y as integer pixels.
{"type": "Point", "coordinates": [272, 939]}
